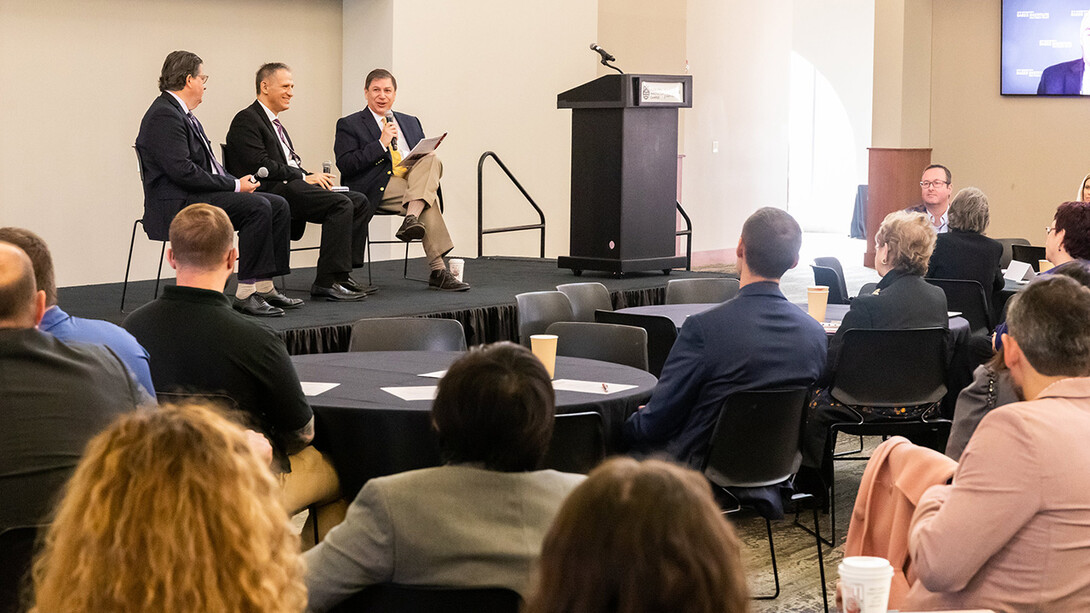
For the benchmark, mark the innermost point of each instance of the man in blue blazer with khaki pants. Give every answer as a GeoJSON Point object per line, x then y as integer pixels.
{"type": "Point", "coordinates": [369, 146]}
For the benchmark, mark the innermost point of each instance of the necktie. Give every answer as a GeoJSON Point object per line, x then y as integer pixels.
{"type": "Point", "coordinates": [287, 141]}
{"type": "Point", "coordinates": [395, 155]}
{"type": "Point", "coordinates": [216, 168]}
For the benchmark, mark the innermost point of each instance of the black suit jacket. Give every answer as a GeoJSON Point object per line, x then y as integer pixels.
{"type": "Point", "coordinates": [364, 163]}
{"type": "Point", "coordinates": [969, 256]}
{"type": "Point", "coordinates": [252, 143]}
{"type": "Point", "coordinates": [1063, 79]}
{"type": "Point", "coordinates": [175, 164]}
{"type": "Point", "coordinates": [902, 301]}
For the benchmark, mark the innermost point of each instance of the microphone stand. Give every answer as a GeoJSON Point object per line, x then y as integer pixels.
{"type": "Point", "coordinates": [605, 62]}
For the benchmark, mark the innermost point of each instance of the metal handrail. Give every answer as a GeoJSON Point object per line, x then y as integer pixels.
{"type": "Point", "coordinates": [481, 230]}
{"type": "Point", "coordinates": [688, 234]}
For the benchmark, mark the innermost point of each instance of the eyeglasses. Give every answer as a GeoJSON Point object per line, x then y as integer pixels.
{"type": "Point", "coordinates": [927, 184]}
{"type": "Point", "coordinates": [1049, 230]}
{"type": "Point", "coordinates": [202, 77]}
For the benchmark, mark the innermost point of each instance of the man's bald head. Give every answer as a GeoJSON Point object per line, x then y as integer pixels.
{"type": "Point", "coordinates": [18, 292]}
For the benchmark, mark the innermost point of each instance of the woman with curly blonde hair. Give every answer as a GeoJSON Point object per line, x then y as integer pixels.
{"type": "Point", "coordinates": [171, 511]}
{"type": "Point", "coordinates": [640, 537]}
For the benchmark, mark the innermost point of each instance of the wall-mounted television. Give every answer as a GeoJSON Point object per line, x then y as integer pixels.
{"type": "Point", "coordinates": [1043, 43]}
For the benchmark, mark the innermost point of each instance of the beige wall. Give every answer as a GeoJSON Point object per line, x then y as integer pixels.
{"type": "Point", "coordinates": [739, 55]}
{"type": "Point", "coordinates": [1027, 154]}
{"type": "Point", "coordinates": [902, 71]}
{"type": "Point", "coordinates": [488, 76]}
{"type": "Point", "coordinates": [79, 74]}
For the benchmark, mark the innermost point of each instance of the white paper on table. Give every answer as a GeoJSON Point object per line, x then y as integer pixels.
{"type": "Point", "coordinates": [413, 392]}
{"type": "Point", "coordinates": [433, 375]}
{"type": "Point", "coordinates": [950, 314]}
{"type": "Point", "coordinates": [313, 388]}
{"type": "Point", "coordinates": [1018, 271]}
{"type": "Point", "coordinates": [589, 387]}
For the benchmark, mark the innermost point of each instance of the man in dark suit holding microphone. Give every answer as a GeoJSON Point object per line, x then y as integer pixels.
{"type": "Point", "coordinates": [369, 146]}
{"type": "Point", "coordinates": [180, 169]}
{"type": "Point", "coordinates": [258, 139]}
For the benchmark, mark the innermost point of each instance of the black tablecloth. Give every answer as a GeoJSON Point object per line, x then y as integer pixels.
{"type": "Point", "coordinates": [367, 432]}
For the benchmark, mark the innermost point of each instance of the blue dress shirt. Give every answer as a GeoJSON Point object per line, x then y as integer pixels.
{"type": "Point", "coordinates": [64, 327]}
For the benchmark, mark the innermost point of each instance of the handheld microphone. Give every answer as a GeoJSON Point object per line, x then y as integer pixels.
{"type": "Point", "coordinates": [390, 119]}
{"type": "Point", "coordinates": [260, 174]}
{"type": "Point", "coordinates": [606, 57]}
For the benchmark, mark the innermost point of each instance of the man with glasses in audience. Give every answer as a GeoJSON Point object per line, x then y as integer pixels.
{"type": "Point", "coordinates": [54, 397]}
{"type": "Point", "coordinates": [180, 168]}
{"type": "Point", "coordinates": [935, 192]}
{"type": "Point", "coordinates": [1012, 532]}
{"type": "Point", "coordinates": [756, 341]}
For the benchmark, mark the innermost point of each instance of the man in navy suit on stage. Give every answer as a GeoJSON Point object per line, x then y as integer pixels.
{"type": "Point", "coordinates": [1069, 78]}
{"type": "Point", "coordinates": [180, 169]}
{"type": "Point", "coordinates": [369, 146]}
{"type": "Point", "coordinates": [257, 139]}
{"type": "Point", "coordinates": [756, 341]}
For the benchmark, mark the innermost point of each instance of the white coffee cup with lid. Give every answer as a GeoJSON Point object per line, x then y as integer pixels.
{"type": "Point", "coordinates": [864, 584]}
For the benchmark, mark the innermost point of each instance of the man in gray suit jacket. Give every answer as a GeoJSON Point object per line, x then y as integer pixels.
{"type": "Point", "coordinates": [477, 521]}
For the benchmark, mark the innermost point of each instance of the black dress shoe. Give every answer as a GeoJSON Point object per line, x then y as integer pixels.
{"type": "Point", "coordinates": [336, 293]}
{"type": "Point", "coordinates": [355, 286]}
{"type": "Point", "coordinates": [411, 229]}
{"type": "Point", "coordinates": [443, 280]}
{"type": "Point", "coordinates": [277, 299]}
{"type": "Point", "coordinates": [256, 306]}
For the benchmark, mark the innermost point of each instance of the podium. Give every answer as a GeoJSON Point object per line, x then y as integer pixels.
{"type": "Point", "coordinates": [624, 172]}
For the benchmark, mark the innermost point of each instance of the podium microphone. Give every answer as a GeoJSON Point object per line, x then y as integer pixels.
{"type": "Point", "coordinates": [606, 57]}
{"type": "Point", "coordinates": [260, 174]}
{"type": "Point", "coordinates": [390, 119]}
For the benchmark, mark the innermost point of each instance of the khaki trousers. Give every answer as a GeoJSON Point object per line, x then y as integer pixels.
{"type": "Point", "coordinates": [421, 183]}
{"type": "Point", "coordinates": [313, 483]}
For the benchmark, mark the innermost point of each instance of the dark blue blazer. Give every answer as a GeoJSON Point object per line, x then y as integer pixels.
{"type": "Point", "coordinates": [252, 143]}
{"type": "Point", "coordinates": [175, 165]}
{"type": "Point", "coordinates": [365, 165]}
{"type": "Point", "coordinates": [758, 340]}
{"type": "Point", "coordinates": [1062, 79]}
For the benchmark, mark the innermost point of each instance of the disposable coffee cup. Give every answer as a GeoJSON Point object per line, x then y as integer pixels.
{"type": "Point", "coordinates": [1043, 265]}
{"type": "Point", "coordinates": [457, 268]}
{"type": "Point", "coordinates": [817, 298]}
{"type": "Point", "coordinates": [864, 584]}
{"type": "Point", "coordinates": [544, 347]}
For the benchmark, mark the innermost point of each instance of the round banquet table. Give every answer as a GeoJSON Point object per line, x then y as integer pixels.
{"type": "Point", "coordinates": [367, 432]}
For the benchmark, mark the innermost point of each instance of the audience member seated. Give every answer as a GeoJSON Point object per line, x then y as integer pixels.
{"type": "Point", "coordinates": [758, 340]}
{"type": "Point", "coordinates": [199, 345]}
{"type": "Point", "coordinates": [640, 537]}
{"type": "Point", "coordinates": [67, 328]}
{"type": "Point", "coordinates": [901, 301]}
{"type": "Point", "coordinates": [54, 397]}
{"type": "Point", "coordinates": [477, 521]}
{"type": "Point", "coordinates": [1083, 193]}
{"type": "Point", "coordinates": [935, 189]}
{"type": "Point", "coordinates": [171, 511]}
{"type": "Point", "coordinates": [992, 386]}
{"type": "Point", "coordinates": [1012, 533]}
{"type": "Point", "coordinates": [1067, 239]}
{"type": "Point", "coordinates": [964, 252]}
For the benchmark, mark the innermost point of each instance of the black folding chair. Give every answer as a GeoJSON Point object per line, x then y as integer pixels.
{"type": "Point", "coordinates": [968, 297]}
{"type": "Point", "coordinates": [407, 334]}
{"type": "Point", "coordinates": [828, 277]}
{"type": "Point", "coordinates": [696, 291]}
{"type": "Point", "coordinates": [661, 334]}
{"type": "Point", "coordinates": [393, 598]}
{"type": "Point", "coordinates": [1030, 254]}
{"type": "Point", "coordinates": [132, 242]}
{"type": "Point", "coordinates": [834, 263]}
{"type": "Point", "coordinates": [606, 342]}
{"type": "Point", "coordinates": [891, 369]}
{"type": "Point", "coordinates": [536, 310]}
{"type": "Point", "coordinates": [756, 445]}
{"type": "Point", "coordinates": [578, 443]}
{"type": "Point", "coordinates": [586, 298]}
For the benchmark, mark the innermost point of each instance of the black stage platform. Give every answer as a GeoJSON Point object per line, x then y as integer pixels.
{"type": "Point", "coordinates": [487, 311]}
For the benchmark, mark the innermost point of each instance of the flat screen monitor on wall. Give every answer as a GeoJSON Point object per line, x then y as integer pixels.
{"type": "Point", "coordinates": [1043, 43]}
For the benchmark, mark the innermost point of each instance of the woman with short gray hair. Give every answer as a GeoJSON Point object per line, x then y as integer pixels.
{"type": "Point", "coordinates": [964, 252]}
